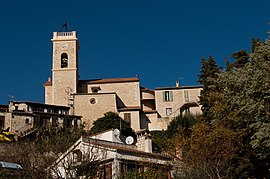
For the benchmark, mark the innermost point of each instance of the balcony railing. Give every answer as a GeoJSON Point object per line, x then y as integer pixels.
{"type": "Point", "coordinates": [64, 33]}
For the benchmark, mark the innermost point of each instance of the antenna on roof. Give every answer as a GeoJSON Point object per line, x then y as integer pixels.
{"type": "Point", "coordinates": [11, 97]}
{"type": "Point", "coordinates": [268, 32]}
{"type": "Point", "coordinates": [178, 81]}
{"type": "Point", "coordinates": [65, 27]}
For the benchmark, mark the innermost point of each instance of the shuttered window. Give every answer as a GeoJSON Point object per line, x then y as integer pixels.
{"type": "Point", "coordinates": [186, 95]}
{"type": "Point", "coordinates": [167, 96]}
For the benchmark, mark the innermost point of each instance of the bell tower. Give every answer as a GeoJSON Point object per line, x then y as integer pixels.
{"type": "Point", "coordinates": [64, 67]}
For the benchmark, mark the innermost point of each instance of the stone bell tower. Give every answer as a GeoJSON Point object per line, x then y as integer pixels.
{"type": "Point", "coordinates": [59, 90]}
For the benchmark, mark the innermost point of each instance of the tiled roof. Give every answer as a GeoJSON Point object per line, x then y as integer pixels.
{"type": "Point", "coordinates": [150, 111]}
{"type": "Point", "coordinates": [130, 108]}
{"type": "Point", "coordinates": [113, 80]}
{"type": "Point", "coordinates": [48, 83]}
{"type": "Point", "coordinates": [123, 147]}
{"type": "Point", "coordinates": [40, 104]}
{"type": "Point", "coordinates": [180, 87]}
{"type": "Point", "coordinates": [143, 89]}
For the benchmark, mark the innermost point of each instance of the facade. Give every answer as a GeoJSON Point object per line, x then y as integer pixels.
{"type": "Point", "coordinates": [23, 118]}
{"type": "Point", "coordinates": [105, 155]}
{"type": "Point", "coordinates": [143, 108]}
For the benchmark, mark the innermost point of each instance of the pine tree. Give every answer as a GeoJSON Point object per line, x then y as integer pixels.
{"type": "Point", "coordinates": [241, 58]}
{"type": "Point", "coordinates": [209, 72]}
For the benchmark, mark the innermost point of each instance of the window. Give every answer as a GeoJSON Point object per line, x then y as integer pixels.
{"type": "Point", "coordinates": [168, 111]}
{"type": "Point", "coordinates": [64, 60]}
{"type": "Point", "coordinates": [2, 122]}
{"type": "Point", "coordinates": [77, 156]}
{"type": "Point", "coordinates": [127, 117]}
{"type": "Point", "coordinates": [186, 95]}
{"type": "Point", "coordinates": [93, 101]}
{"type": "Point", "coordinates": [95, 89]}
{"type": "Point", "coordinates": [167, 96]}
{"type": "Point", "coordinates": [27, 121]}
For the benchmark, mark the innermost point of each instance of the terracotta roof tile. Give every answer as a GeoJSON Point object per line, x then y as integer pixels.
{"type": "Point", "coordinates": [130, 108]}
{"type": "Point", "coordinates": [48, 83]}
{"type": "Point", "coordinates": [180, 87]}
{"type": "Point", "coordinates": [113, 80]}
{"type": "Point", "coordinates": [123, 147]}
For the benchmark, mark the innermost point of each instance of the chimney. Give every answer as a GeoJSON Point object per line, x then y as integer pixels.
{"type": "Point", "coordinates": [148, 144]}
{"type": "Point", "coordinates": [144, 141]}
{"type": "Point", "coordinates": [177, 83]}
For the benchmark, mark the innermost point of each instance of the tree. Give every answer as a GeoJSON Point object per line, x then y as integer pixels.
{"type": "Point", "coordinates": [255, 43]}
{"type": "Point", "coordinates": [241, 58]}
{"type": "Point", "coordinates": [242, 104]}
{"type": "Point", "coordinates": [209, 152]}
{"type": "Point", "coordinates": [184, 123]}
{"type": "Point", "coordinates": [209, 71]}
{"type": "Point", "coordinates": [38, 154]}
{"type": "Point", "coordinates": [112, 120]}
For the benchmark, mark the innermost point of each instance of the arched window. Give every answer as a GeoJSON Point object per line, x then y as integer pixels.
{"type": "Point", "coordinates": [64, 60]}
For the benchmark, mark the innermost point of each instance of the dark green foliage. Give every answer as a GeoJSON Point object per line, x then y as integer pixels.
{"type": "Point", "coordinates": [160, 138]}
{"type": "Point", "coordinates": [112, 120]}
{"type": "Point", "coordinates": [178, 127]}
{"type": "Point", "coordinates": [255, 43]}
{"type": "Point", "coordinates": [184, 123]}
{"type": "Point", "coordinates": [209, 71]}
{"type": "Point", "coordinates": [241, 58]}
{"type": "Point", "coordinates": [238, 99]}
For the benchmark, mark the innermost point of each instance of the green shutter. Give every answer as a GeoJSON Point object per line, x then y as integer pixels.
{"type": "Point", "coordinates": [163, 93]}
{"type": "Point", "coordinates": [171, 96]}
{"type": "Point", "coordinates": [186, 94]}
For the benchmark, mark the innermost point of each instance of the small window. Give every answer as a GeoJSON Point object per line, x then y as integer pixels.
{"type": "Point", "coordinates": [168, 111]}
{"type": "Point", "coordinates": [2, 122]}
{"type": "Point", "coordinates": [77, 156]}
{"type": "Point", "coordinates": [167, 96]}
{"type": "Point", "coordinates": [186, 95]}
{"type": "Point", "coordinates": [95, 89]}
{"type": "Point", "coordinates": [93, 101]}
{"type": "Point", "coordinates": [64, 60]}
{"type": "Point", "coordinates": [27, 121]}
{"type": "Point", "coordinates": [127, 117]}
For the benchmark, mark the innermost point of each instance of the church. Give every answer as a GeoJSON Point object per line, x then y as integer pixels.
{"type": "Point", "coordinates": [144, 108]}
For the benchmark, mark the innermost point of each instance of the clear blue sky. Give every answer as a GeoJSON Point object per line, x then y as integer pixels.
{"type": "Point", "coordinates": [162, 41]}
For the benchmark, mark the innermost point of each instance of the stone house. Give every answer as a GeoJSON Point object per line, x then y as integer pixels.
{"type": "Point", "coordinates": [22, 118]}
{"type": "Point", "coordinates": [142, 107]}
{"type": "Point", "coordinates": [105, 155]}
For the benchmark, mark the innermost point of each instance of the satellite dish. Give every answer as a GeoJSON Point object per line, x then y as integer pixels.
{"type": "Point", "coordinates": [116, 132]}
{"type": "Point", "coordinates": [129, 140]}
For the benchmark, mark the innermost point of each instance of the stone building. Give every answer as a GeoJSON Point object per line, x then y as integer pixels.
{"type": "Point", "coordinates": [143, 108]}
{"type": "Point", "coordinates": [105, 155]}
{"type": "Point", "coordinates": [23, 118]}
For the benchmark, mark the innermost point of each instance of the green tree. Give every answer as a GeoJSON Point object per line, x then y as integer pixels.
{"type": "Point", "coordinates": [243, 105]}
{"type": "Point", "coordinates": [255, 43]}
{"type": "Point", "coordinates": [209, 72]}
{"type": "Point", "coordinates": [112, 120]}
{"type": "Point", "coordinates": [241, 58]}
{"type": "Point", "coordinates": [184, 123]}
{"type": "Point", "coordinates": [210, 152]}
